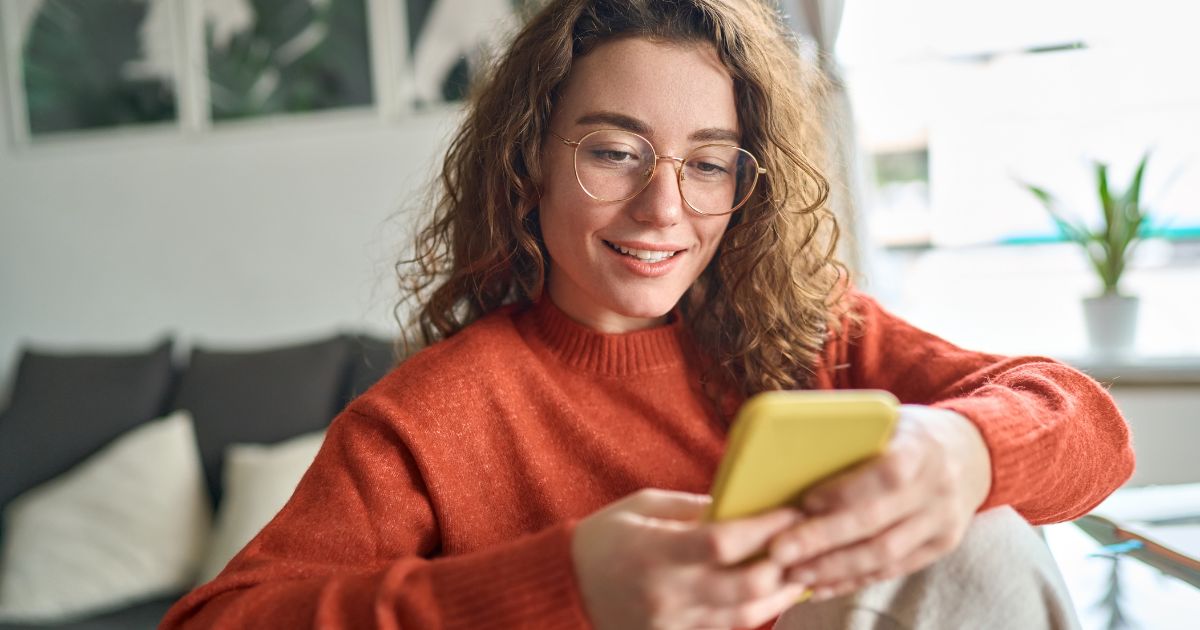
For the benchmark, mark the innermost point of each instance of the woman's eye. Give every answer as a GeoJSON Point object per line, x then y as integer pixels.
{"type": "Point", "coordinates": [612, 155]}
{"type": "Point", "coordinates": [709, 168]}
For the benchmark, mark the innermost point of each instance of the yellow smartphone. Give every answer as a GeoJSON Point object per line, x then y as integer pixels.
{"type": "Point", "coordinates": [783, 442]}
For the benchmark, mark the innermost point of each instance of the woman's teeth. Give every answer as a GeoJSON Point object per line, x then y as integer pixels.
{"type": "Point", "coordinates": [644, 255]}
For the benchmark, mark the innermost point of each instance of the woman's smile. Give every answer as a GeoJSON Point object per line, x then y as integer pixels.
{"type": "Point", "coordinates": [649, 261]}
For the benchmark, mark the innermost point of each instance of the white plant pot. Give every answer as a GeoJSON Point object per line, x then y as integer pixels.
{"type": "Point", "coordinates": [1111, 323]}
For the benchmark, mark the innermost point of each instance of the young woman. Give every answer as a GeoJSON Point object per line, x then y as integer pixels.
{"type": "Point", "coordinates": [628, 240]}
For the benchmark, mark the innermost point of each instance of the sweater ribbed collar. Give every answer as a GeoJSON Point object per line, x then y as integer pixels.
{"type": "Point", "coordinates": [604, 354]}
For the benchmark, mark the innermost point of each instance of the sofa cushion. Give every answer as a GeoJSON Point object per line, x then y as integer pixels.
{"type": "Point", "coordinates": [259, 479]}
{"type": "Point", "coordinates": [370, 359]}
{"type": "Point", "coordinates": [260, 397]}
{"type": "Point", "coordinates": [127, 524]}
{"type": "Point", "coordinates": [141, 616]}
{"type": "Point", "coordinates": [64, 407]}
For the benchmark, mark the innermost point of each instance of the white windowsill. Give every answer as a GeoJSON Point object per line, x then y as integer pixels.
{"type": "Point", "coordinates": [1026, 300]}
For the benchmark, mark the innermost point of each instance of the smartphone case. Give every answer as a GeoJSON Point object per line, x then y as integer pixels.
{"type": "Point", "coordinates": [782, 442]}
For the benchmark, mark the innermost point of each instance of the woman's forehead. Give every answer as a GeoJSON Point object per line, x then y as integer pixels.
{"type": "Point", "coordinates": [666, 89]}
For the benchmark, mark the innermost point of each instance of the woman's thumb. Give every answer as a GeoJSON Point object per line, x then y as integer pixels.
{"type": "Point", "coordinates": [669, 504]}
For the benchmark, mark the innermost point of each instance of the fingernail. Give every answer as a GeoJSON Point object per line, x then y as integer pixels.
{"type": "Point", "coordinates": [805, 577]}
{"type": "Point", "coordinates": [822, 594]}
{"type": "Point", "coordinates": [786, 553]}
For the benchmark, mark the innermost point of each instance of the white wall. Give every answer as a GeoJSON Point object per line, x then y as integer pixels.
{"type": "Point", "coordinates": [247, 236]}
{"type": "Point", "coordinates": [1163, 423]}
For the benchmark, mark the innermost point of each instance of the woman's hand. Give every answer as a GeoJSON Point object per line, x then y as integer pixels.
{"type": "Point", "coordinates": [648, 561]}
{"type": "Point", "coordinates": [893, 515]}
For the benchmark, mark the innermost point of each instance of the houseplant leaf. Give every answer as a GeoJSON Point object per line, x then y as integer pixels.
{"type": "Point", "coordinates": [1124, 222]}
{"type": "Point", "coordinates": [1073, 231]}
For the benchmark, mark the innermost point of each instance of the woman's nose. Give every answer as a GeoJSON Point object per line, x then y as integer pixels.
{"type": "Point", "coordinates": [661, 202]}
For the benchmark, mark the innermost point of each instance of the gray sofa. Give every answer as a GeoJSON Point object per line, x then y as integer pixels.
{"type": "Point", "coordinates": [66, 406]}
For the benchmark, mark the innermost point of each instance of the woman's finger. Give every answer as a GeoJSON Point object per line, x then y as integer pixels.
{"type": "Point", "coordinates": [725, 543]}
{"type": "Point", "coordinates": [889, 473]}
{"type": "Point", "coordinates": [667, 504]}
{"type": "Point", "coordinates": [848, 524]}
{"type": "Point", "coordinates": [921, 558]}
{"type": "Point", "coordinates": [729, 587]}
{"type": "Point", "coordinates": [751, 614]}
{"type": "Point", "coordinates": [890, 547]}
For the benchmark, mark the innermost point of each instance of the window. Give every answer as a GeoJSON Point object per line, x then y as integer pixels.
{"type": "Point", "coordinates": [991, 95]}
{"type": "Point", "coordinates": [957, 103]}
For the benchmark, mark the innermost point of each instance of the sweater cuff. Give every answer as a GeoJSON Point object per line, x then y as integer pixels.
{"type": "Point", "coordinates": [527, 583]}
{"type": "Point", "coordinates": [1009, 444]}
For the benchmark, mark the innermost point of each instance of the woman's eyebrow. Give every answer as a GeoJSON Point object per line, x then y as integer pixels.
{"type": "Point", "coordinates": [629, 123]}
{"type": "Point", "coordinates": [620, 121]}
{"type": "Point", "coordinates": [715, 134]}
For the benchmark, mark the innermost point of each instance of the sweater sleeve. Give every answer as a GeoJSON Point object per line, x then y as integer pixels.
{"type": "Point", "coordinates": [357, 546]}
{"type": "Point", "coordinates": [1057, 442]}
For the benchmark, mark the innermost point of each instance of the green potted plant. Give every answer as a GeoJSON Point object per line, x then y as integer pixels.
{"type": "Point", "coordinates": [1111, 316]}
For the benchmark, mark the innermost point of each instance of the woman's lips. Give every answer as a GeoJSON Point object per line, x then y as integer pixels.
{"type": "Point", "coordinates": [646, 259]}
{"type": "Point", "coordinates": [644, 252]}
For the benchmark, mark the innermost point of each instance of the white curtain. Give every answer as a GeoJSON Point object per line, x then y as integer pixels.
{"type": "Point", "coordinates": [818, 22]}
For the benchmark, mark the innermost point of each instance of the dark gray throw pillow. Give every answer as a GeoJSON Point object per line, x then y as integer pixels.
{"type": "Point", "coordinates": [260, 397]}
{"type": "Point", "coordinates": [370, 359]}
{"type": "Point", "coordinates": [65, 407]}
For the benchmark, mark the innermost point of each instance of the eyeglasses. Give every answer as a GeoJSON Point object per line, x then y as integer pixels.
{"type": "Point", "coordinates": [616, 165]}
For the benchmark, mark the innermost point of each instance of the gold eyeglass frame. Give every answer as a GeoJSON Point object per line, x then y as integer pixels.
{"type": "Point", "coordinates": [679, 162]}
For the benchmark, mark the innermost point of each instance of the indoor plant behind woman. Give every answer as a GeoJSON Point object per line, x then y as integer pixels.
{"type": "Point", "coordinates": [1111, 316]}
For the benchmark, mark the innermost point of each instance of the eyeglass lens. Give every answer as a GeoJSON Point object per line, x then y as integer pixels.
{"type": "Point", "coordinates": [615, 165]}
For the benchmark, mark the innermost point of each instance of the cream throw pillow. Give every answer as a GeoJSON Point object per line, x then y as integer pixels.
{"type": "Point", "coordinates": [258, 480]}
{"type": "Point", "coordinates": [127, 524]}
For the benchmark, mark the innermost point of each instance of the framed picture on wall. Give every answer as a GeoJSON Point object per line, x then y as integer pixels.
{"type": "Point", "coordinates": [451, 40]}
{"type": "Point", "coordinates": [185, 66]}
{"type": "Point", "coordinates": [92, 64]}
{"type": "Point", "coordinates": [285, 56]}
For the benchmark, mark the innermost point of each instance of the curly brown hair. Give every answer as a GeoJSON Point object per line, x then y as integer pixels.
{"type": "Point", "coordinates": [761, 311]}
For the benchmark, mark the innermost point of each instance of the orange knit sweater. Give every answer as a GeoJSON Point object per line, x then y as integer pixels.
{"type": "Point", "coordinates": [445, 497]}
